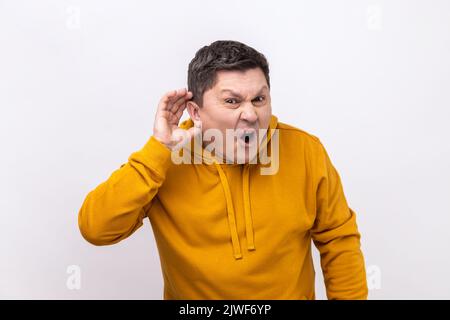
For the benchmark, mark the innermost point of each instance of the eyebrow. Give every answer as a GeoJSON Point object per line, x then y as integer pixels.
{"type": "Point", "coordinates": [238, 95]}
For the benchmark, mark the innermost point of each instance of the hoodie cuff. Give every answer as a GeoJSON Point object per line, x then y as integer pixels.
{"type": "Point", "coordinates": [154, 155]}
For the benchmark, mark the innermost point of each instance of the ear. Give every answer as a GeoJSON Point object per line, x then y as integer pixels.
{"type": "Point", "coordinates": [194, 111]}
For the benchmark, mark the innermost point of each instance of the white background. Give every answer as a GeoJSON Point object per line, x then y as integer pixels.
{"type": "Point", "coordinates": [79, 85]}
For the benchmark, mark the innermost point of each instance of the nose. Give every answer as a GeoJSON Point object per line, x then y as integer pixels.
{"type": "Point", "coordinates": [249, 113]}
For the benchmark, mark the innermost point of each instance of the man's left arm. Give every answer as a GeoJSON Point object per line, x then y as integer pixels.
{"type": "Point", "coordinates": [335, 234]}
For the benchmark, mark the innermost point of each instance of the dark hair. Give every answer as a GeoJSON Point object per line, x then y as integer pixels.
{"type": "Point", "coordinates": [221, 55]}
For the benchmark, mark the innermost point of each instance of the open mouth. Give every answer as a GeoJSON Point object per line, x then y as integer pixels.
{"type": "Point", "coordinates": [247, 138]}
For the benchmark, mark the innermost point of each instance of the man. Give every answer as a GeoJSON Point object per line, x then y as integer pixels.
{"type": "Point", "coordinates": [224, 228]}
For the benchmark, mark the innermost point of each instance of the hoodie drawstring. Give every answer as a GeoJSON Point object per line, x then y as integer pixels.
{"type": "Point", "coordinates": [247, 210]}
{"type": "Point", "coordinates": [231, 213]}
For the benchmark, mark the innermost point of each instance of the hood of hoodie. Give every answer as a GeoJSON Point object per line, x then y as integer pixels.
{"type": "Point", "coordinates": [204, 157]}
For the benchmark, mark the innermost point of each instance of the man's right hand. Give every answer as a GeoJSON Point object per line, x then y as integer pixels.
{"type": "Point", "coordinates": [168, 115]}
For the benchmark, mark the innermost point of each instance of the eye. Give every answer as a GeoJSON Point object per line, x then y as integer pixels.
{"type": "Point", "coordinates": [259, 99]}
{"type": "Point", "coordinates": [231, 100]}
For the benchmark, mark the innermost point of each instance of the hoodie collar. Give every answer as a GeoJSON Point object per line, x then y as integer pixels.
{"type": "Point", "coordinates": [204, 156]}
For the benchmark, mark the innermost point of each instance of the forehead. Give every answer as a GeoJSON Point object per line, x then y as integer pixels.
{"type": "Point", "coordinates": [238, 81]}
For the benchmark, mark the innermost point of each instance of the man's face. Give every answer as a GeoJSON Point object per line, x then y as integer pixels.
{"type": "Point", "coordinates": [240, 100]}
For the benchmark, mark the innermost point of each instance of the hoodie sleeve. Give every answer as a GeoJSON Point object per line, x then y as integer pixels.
{"type": "Point", "coordinates": [335, 234]}
{"type": "Point", "coordinates": [116, 208]}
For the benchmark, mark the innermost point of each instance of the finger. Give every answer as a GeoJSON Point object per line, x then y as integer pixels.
{"type": "Point", "coordinates": [177, 100]}
{"type": "Point", "coordinates": [167, 100]}
{"type": "Point", "coordinates": [178, 93]}
{"type": "Point", "coordinates": [181, 103]}
{"type": "Point", "coordinates": [180, 111]}
{"type": "Point", "coordinates": [181, 108]}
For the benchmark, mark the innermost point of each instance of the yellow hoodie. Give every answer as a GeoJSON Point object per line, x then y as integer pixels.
{"type": "Point", "coordinates": [225, 231]}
